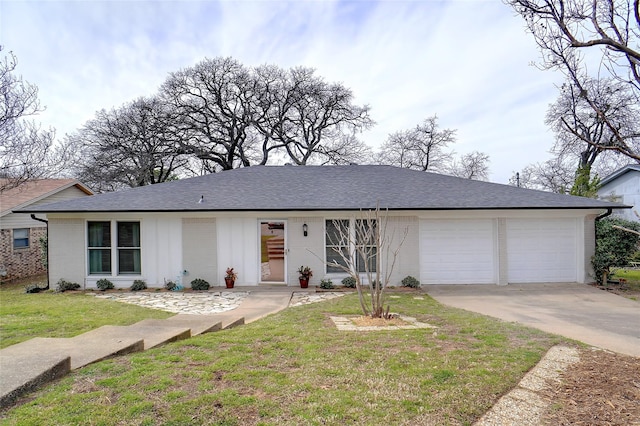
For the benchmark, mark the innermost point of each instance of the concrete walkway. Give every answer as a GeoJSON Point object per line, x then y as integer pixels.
{"type": "Point", "coordinates": [576, 311]}
{"type": "Point", "coordinates": [30, 364]}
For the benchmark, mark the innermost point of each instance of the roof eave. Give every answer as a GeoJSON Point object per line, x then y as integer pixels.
{"type": "Point", "coordinates": [325, 209]}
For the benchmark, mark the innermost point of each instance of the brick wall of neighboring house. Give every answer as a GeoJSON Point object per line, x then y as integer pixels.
{"type": "Point", "coordinates": [22, 262]}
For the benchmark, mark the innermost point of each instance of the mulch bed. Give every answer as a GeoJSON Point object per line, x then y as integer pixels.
{"type": "Point", "coordinates": [602, 389]}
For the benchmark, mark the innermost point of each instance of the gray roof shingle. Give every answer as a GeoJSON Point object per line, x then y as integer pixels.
{"type": "Point", "coordinates": [304, 188]}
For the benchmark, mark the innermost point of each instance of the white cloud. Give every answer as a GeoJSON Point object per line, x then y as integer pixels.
{"type": "Point", "coordinates": [466, 61]}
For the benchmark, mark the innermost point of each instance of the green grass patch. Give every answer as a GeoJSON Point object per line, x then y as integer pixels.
{"type": "Point", "coordinates": [296, 368]}
{"type": "Point", "coordinates": [631, 275]}
{"type": "Point", "coordinates": [49, 314]}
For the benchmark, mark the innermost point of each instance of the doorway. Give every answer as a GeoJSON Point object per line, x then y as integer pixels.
{"type": "Point", "coordinates": [272, 251]}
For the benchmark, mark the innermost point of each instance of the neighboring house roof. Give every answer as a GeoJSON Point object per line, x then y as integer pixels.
{"type": "Point", "coordinates": [621, 171]}
{"type": "Point", "coordinates": [304, 188]}
{"type": "Point", "coordinates": [32, 191]}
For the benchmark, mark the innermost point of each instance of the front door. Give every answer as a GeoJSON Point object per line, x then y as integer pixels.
{"type": "Point", "coordinates": [272, 251]}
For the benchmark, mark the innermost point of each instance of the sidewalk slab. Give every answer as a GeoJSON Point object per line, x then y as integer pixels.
{"type": "Point", "coordinates": [259, 304]}
{"type": "Point", "coordinates": [24, 370]}
{"type": "Point", "coordinates": [86, 348]}
{"type": "Point", "coordinates": [198, 324]}
{"type": "Point", "coordinates": [155, 335]}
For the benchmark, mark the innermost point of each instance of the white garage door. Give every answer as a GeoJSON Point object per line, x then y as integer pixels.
{"type": "Point", "coordinates": [457, 252]}
{"type": "Point", "coordinates": [541, 250]}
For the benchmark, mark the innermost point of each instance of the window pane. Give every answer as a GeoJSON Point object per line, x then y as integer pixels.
{"type": "Point", "coordinates": [370, 254]}
{"type": "Point", "coordinates": [99, 234]}
{"type": "Point", "coordinates": [21, 238]}
{"type": "Point", "coordinates": [129, 261]}
{"type": "Point", "coordinates": [334, 257]}
{"type": "Point", "coordinates": [100, 261]}
{"type": "Point", "coordinates": [364, 232]}
{"type": "Point", "coordinates": [128, 234]}
{"type": "Point", "coordinates": [337, 232]}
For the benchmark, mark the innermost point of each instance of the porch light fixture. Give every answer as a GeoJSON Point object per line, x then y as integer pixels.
{"type": "Point", "coordinates": [305, 228]}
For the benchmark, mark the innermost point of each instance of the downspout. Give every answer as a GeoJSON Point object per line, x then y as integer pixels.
{"type": "Point", "coordinates": [33, 216]}
{"type": "Point", "coordinates": [603, 215]}
{"type": "Point", "coordinates": [597, 219]}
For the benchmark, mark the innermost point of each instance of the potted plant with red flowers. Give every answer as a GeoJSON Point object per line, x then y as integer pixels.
{"type": "Point", "coordinates": [305, 274]}
{"type": "Point", "coordinates": [230, 278]}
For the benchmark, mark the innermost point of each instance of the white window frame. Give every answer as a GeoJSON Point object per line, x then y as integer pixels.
{"type": "Point", "coordinates": [114, 248]}
{"type": "Point", "coordinates": [28, 238]}
{"type": "Point", "coordinates": [352, 230]}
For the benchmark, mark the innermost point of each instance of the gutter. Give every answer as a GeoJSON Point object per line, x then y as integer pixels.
{"type": "Point", "coordinates": [33, 216]}
{"type": "Point", "coordinates": [602, 216]}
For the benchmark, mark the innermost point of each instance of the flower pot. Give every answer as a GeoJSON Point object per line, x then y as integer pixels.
{"type": "Point", "coordinates": [304, 282]}
{"type": "Point", "coordinates": [229, 282]}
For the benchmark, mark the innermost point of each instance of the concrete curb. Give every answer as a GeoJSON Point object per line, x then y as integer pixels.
{"type": "Point", "coordinates": [524, 405]}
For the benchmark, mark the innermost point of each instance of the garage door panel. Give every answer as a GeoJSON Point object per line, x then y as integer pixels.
{"type": "Point", "coordinates": [541, 250]}
{"type": "Point", "coordinates": [457, 252]}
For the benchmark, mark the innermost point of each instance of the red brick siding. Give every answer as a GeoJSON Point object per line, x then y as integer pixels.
{"type": "Point", "coordinates": [24, 262]}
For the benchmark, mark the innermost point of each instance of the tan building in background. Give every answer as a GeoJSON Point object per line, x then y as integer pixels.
{"type": "Point", "coordinates": [21, 253]}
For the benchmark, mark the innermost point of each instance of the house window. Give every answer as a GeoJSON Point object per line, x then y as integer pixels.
{"type": "Point", "coordinates": [336, 241]}
{"type": "Point", "coordinates": [99, 246]}
{"type": "Point", "coordinates": [125, 246]}
{"type": "Point", "coordinates": [128, 248]}
{"type": "Point", "coordinates": [344, 236]}
{"type": "Point", "coordinates": [365, 241]}
{"type": "Point", "coordinates": [21, 238]}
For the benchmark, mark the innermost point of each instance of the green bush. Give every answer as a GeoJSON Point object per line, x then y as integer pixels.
{"type": "Point", "coordinates": [199, 284]}
{"type": "Point", "coordinates": [170, 285]}
{"type": "Point", "coordinates": [349, 282]}
{"type": "Point", "coordinates": [138, 285]}
{"type": "Point", "coordinates": [104, 284]}
{"type": "Point", "coordinates": [410, 281]}
{"type": "Point", "coordinates": [63, 285]}
{"type": "Point", "coordinates": [326, 284]}
{"type": "Point", "coordinates": [614, 246]}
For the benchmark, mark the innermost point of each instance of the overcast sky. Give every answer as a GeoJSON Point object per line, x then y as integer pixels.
{"type": "Point", "coordinates": [468, 61]}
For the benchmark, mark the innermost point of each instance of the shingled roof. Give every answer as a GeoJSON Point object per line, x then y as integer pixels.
{"type": "Point", "coordinates": [307, 188]}
{"type": "Point", "coordinates": [31, 191]}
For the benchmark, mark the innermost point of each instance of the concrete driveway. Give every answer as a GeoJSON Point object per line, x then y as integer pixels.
{"type": "Point", "coordinates": [576, 311]}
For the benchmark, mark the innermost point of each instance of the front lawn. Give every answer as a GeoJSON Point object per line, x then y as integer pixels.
{"type": "Point", "coordinates": [48, 314]}
{"type": "Point", "coordinates": [296, 368]}
{"type": "Point", "coordinates": [631, 275]}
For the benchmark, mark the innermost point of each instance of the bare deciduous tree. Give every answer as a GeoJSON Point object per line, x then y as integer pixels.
{"type": "Point", "coordinates": [367, 249]}
{"type": "Point", "coordinates": [317, 116]}
{"type": "Point", "coordinates": [580, 131]}
{"type": "Point", "coordinates": [234, 116]}
{"type": "Point", "coordinates": [591, 41]}
{"type": "Point", "coordinates": [25, 148]}
{"type": "Point", "coordinates": [213, 102]}
{"type": "Point", "coordinates": [425, 148]}
{"type": "Point", "coordinates": [422, 148]}
{"type": "Point", "coordinates": [134, 145]}
{"type": "Point", "coordinates": [474, 165]}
